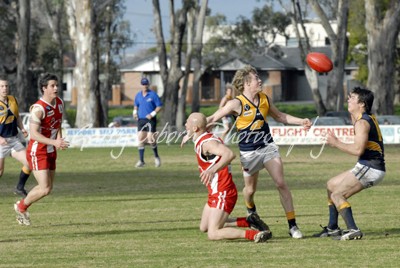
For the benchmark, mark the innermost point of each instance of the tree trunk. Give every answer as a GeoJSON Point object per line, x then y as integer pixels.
{"type": "Point", "coordinates": [198, 47]}
{"type": "Point", "coordinates": [339, 46]}
{"type": "Point", "coordinates": [181, 110]}
{"type": "Point", "coordinates": [312, 76]}
{"type": "Point", "coordinates": [80, 20]}
{"type": "Point", "coordinates": [105, 87]}
{"type": "Point", "coordinates": [161, 50]}
{"type": "Point", "coordinates": [172, 75]}
{"type": "Point", "coordinates": [382, 36]}
{"type": "Point", "coordinates": [197, 73]}
{"type": "Point", "coordinates": [54, 15]}
{"type": "Point", "coordinates": [23, 22]}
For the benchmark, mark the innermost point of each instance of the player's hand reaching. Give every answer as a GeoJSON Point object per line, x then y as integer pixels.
{"type": "Point", "coordinates": [306, 123]}
{"type": "Point", "coordinates": [331, 139]}
{"type": "Point", "coordinates": [24, 132]}
{"type": "Point", "coordinates": [186, 138]}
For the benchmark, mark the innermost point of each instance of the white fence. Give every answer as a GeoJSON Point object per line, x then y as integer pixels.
{"type": "Point", "coordinates": [287, 135]}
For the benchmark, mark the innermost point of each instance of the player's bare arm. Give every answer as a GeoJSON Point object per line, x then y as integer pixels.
{"type": "Point", "coordinates": [287, 118]}
{"type": "Point", "coordinates": [224, 100]}
{"type": "Point", "coordinates": [360, 139]}
{"type": "Point", "coordinates": [231, 107]}
{"type": "Point", "coordinates": [214, 147]}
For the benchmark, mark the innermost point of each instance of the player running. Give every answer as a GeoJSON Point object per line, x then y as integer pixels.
{"type": "Point", "coordinates": [45, 138]}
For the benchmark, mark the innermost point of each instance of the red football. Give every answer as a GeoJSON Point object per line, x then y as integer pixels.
{"type": "Point", "coordinates": [319, 62]}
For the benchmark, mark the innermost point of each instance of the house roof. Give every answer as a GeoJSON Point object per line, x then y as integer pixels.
{"type": "Point", "coordinates": [149, 63]}
{"type": "Point", "coordinates": [264, 62]}
{"type": "Point", "coordinates": [142, 64]}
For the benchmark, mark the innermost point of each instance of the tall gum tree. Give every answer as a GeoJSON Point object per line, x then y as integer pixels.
{"type": "Point", "coordinates": [81, 30]}
{"type": "Point", "coordinates": [305, 48]}
{"type": "Point", "coordinates": [339, 47]}
{"type": "Point", "coordinates": [23, 23]}
{"type": "Point", "coordinates": [171, 75]}
{"type": "Point", "coordinates": [197, 55]}
{"type": "Point", "coordinates": [382, 31]}
{"type": "Point", "coordinates": [53, 11]}
{"type": "Point", "coordinates": [195, 28]}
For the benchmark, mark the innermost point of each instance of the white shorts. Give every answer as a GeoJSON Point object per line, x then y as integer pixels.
{"type": "Point", "coordinates": [253, 161]}
{"type": "Point", "coordinates": [13, 145]}
{"type": "Point", "coordinates": [368, 176]}
{"type": "Point", "coordinates": [227, 122]}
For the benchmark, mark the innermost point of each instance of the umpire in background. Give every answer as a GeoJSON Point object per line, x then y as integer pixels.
{"type": "Point", "coordinates": [147, 105]}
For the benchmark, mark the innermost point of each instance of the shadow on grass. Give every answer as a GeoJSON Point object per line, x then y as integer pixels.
{"type": "Point", "coordinates": [119, 232]}
{"type": "Point", "coordinates": [388, 233]}
{"type": "Point", "coordinates": [155, 198]}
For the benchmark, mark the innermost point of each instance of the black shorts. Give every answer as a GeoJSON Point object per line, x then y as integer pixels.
{"type": "Point", "coordinates": [147, 125]}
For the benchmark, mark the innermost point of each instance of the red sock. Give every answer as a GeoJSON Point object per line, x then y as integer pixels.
{"type": "Point", "coordinates": [22, 206]}
{"type": "Point", "coordinates": [241, 222]}
{"type": "Point", "coordinates": [250, 234]}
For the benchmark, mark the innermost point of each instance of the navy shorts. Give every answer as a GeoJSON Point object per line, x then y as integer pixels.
{"type": "Point", "coordinates": [147, 125]}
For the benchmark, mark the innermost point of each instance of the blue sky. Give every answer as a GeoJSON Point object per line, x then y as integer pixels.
{"type": "Point", "coordinates": [140, 14]}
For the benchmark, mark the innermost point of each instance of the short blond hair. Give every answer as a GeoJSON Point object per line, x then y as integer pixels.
{"type": "Point", "coordinates": [242, 76]}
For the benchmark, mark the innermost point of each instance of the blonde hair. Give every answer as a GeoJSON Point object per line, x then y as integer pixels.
{"type": "Point", "coordinates": [242, 76]}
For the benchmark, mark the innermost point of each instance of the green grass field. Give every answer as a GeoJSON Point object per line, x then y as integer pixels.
{"type": "Point", "coordinates": [105, 213]}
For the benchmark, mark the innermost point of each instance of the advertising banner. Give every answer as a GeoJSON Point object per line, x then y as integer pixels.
{"type": "Point", "coordinates": [287, 135]}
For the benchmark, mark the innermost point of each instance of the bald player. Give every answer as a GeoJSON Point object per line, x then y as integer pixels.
{"type": "Point", "coordinates": [214, 159]}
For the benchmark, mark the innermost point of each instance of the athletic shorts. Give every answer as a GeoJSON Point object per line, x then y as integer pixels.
{"type": "Point", "coordinates": [368, 176]}
{"type": "Point", "coordinates": [13, 145]}
{"type": "Point", "coordinates": [42, 161]}
{"type": "Point", "coordinates": [227, 120]}
{"type": "Point", "coordinates": [225, 200]}
{"type": "Point", "coordinates": [147, 125]}
{"type": "Point", "coordinates": [253, 161]}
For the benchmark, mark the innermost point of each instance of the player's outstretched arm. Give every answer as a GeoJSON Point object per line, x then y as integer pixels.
{"type": "Point", "coordinates": [288, 119]}
{"type": "Point", "coordinates": [231, 107]}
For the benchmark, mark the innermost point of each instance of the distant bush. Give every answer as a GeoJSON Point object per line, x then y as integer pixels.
{"type": "Point", "coordinates": [299, 110]}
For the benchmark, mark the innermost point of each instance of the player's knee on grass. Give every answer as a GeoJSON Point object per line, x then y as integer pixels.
{"type": "Point", "coordinates": [203, 228]}
{"type": "Point", "coordinates": [213, 235]}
